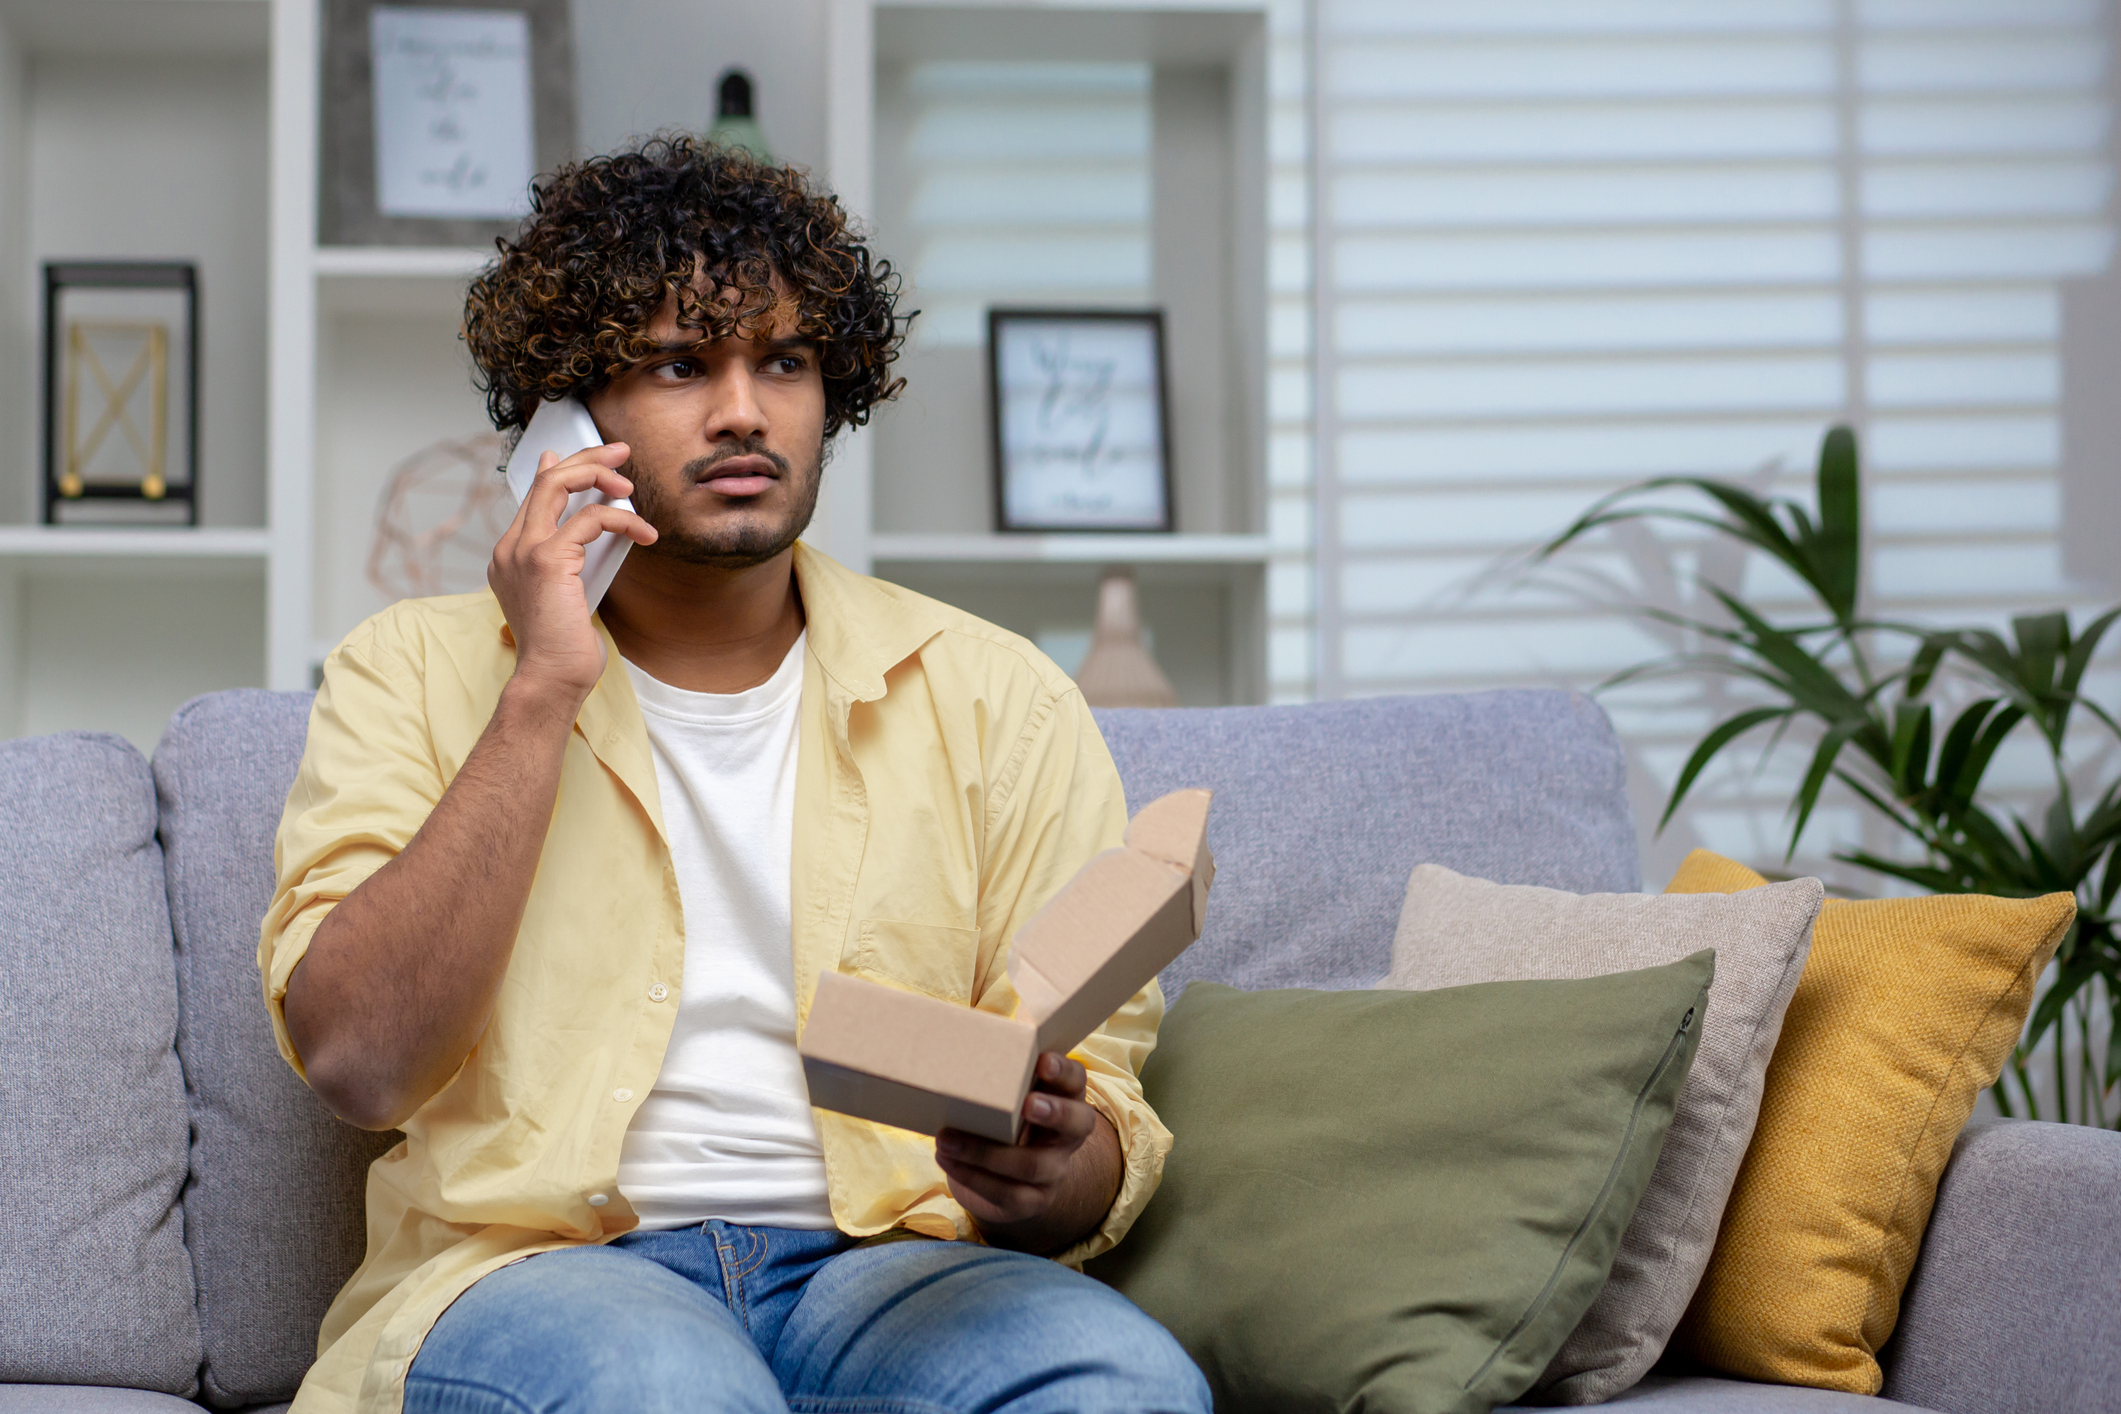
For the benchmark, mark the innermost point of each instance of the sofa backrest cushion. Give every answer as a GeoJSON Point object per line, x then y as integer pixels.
{"type": "Point", "coordinates": [1322, 811]}
{"type": "Point", "coordinates": [2012, 1305]}
{"type": "Point", "coordinates": [274, 1209]}
{"type": "Point", "coordinates": [95, 1287]}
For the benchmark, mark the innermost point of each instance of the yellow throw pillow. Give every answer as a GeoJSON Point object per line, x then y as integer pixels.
{"type": "Point", "coordinates": [1905, 1013]}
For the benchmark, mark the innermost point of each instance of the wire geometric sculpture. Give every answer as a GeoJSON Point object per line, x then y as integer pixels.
{"type": "Point", "coordinates": [442, 511]}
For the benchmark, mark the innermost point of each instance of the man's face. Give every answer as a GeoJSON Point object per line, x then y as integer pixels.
{"type": "Point", "coordinates": [727, 440]}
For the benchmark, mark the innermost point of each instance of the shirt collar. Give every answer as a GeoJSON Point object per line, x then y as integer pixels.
{"type": "Point", "coordinates": [859, 630]}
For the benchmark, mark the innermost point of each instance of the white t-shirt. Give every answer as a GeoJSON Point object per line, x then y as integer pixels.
{"type": "Point", "coordinates": [727, 1132]}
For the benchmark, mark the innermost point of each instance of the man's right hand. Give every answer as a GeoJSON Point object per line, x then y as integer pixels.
{"type": "Point", "coordinates": [536, 571]}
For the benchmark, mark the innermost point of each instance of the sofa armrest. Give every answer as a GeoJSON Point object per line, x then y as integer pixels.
{"type": "Point", "coordinates": [2012, 1306]}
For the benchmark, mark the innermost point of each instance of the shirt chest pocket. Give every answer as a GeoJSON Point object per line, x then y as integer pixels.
{"type": "Point", "coordinates": [931, 958]}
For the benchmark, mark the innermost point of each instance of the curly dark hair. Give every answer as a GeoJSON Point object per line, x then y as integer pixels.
{"type": "Point", "coordinates": [565, 308]}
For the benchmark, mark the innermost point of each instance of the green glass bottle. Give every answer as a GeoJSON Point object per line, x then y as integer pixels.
{"type": "Point", "coordinates": [734, 125]}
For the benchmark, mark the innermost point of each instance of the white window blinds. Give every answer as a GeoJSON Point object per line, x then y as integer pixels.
{"type": "Point", "coordinates": [1563, 246]}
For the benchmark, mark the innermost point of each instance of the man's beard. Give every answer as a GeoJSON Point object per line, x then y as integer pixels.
{"type": "Point", "coordinates": [736, 546]}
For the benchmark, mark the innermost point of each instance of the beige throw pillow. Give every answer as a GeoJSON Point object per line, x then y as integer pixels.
{"type": "Point", "coordinates": [1454, 931]}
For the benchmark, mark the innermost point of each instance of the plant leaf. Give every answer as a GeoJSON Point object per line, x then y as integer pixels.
{"type": "Point", "coordinates": [1752, 521]}
{"type": "Point", "coordinates": [1811, 682]}
{"type": "Point", "coordinates": [2060, 832]}
{"type": "Point", "coordinates": [1911, 748]}
{"type": "Point", "coordinates": [1837, 548]}
{"type": "Point", "coordinates": [1815, 778]}
{"type": "Point", "coordinates": [1981, 753]}
{"type": "Point", "coordinates": [1937, 881]}
{"type": "Point", "coordinates": [1995, 854]}
{"type": "Point", "coordinates": [1924, 667]}
{"type": "Point", "coordinates": [1887, 808]}
{"type": "Point", "coordinates": [1958, 746]}
{"type": "Point", "coordinates": [2043, 642]}
{"type": "Point", "coordinates": [2082, 648]}
{"type": "Point", "coordinates": [2069, 980]}
{"type": "Point", "coordinates": [1715, 741]}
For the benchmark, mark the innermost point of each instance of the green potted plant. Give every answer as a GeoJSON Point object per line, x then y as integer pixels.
{"type": "Point", "coordinates": [1878, 694]}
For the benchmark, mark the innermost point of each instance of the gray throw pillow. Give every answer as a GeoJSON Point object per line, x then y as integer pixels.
{"type": "Point", "coordinates": [274, 1213]}
{"type": "Point", "coordinates": [95, 1281]}
{"type": "Point", "coordinates": [1454, 930]}
{"type": "Point", "coordinates": [1399, 1202]}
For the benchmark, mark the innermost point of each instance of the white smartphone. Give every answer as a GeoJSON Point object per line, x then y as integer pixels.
{"type": "Point", "coordinates": [563, 426]}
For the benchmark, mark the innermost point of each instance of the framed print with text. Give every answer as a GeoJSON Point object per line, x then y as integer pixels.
{"type": "Point", "coordinates": [1081, 419]}
{"type": "Point", "coordinates": [438, 114]}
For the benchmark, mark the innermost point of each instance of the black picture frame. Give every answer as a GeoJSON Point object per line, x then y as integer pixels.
{"type": "Point", "coordinates": [346, 190]}
{"type": "Point", "coordinates": [61, 276]}
{"type": "Point", "coordinates": [1010, 512]}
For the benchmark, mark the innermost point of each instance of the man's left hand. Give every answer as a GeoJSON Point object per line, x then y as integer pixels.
{"type": "Point", "coordinates": [1054, 1184]}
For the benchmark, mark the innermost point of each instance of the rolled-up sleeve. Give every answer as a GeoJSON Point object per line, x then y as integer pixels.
{"type": "Point", "coordinates": [1058, 802]}
{"type": "Point", "coordinates": [367, 782]}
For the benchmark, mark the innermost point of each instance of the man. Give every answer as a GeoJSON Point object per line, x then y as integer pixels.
{"type": "Point", "coordinates": [555, 887]}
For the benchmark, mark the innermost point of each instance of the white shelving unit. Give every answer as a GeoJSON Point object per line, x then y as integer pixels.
{"type": "Point", "coordinates": [140, 548]}
{"type": "Point", "coordinates": [135, 129]}
{"type": "Point", "coordinates": [352, 264]}
{"type": "Point", "coordinates": [188, 129]}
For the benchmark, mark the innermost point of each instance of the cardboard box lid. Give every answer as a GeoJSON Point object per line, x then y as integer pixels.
{"type": "Point", "coordinates": [1121, 920]}
{"type": "Point", "coordinates": [930, 1044]}
{"type": "Point", "coordinates": [1174, 828]}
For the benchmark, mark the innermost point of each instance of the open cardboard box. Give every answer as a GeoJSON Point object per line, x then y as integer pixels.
{"type": "Point", "coordinates": [920, 1063]}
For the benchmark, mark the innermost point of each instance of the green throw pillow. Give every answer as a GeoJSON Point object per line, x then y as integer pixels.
{"type": "Point", "coordinates": [1400, 1202]}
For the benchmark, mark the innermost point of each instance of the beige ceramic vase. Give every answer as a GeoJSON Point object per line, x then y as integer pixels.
{"type": "Point", "coordinates": [1118, 671]}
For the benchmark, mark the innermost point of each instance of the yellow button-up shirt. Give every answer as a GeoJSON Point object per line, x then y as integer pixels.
{"type": "Point", "coordinates": [950, 780]}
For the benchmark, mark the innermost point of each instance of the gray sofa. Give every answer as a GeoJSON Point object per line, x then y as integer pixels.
{"type": "Point", "coordinates": [179, 1209]}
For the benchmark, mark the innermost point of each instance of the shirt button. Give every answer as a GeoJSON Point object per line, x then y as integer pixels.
{"type": "Point", "coordinates": [658, 992]}
{"type": "Point", "coordinates": [622, 1094]}
{"type": "Point", "coordinates": [598, 1200]}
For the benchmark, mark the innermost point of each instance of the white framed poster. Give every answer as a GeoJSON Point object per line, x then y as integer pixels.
{"type": "Point", "coordinates": [452, 111]}
{"type": "Point", "coordinates": [1081, 439]}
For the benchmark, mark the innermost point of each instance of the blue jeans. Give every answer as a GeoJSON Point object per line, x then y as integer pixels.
{"type": "Point", "coordinates": [720, 1319]}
